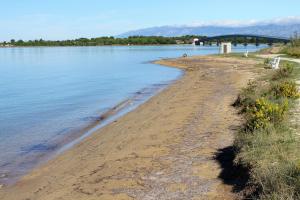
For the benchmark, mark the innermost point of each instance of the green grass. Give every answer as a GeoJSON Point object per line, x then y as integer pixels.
{"type": "Point", "coordinates": [271, 150]}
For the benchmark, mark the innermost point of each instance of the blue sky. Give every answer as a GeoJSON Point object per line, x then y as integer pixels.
{"type": "Point", "coordinates": [61, 19]}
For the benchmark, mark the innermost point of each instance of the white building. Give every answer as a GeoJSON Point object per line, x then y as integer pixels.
{"type": "Point", "coordinates": [225, 48]}
{"type": "Point", "coordinates": [196, 41]}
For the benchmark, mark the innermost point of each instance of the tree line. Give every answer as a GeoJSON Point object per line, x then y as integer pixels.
{"type": "Point", "coordinates": [102, 41]}
{"type": "Point", "coordinates": [132, 40]}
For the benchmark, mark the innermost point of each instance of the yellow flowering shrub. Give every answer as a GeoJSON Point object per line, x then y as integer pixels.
{"type": "Point", "coordinates": [264, 112]}
{"type": "Point", "coordinates": [286, 89]}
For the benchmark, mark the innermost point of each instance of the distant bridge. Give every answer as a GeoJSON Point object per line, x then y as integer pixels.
{"type": "Point", "coordinates": [234, 38]}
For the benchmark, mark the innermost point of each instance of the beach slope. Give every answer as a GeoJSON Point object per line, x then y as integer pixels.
{"type": "Point", "coordinates": [165, 149]}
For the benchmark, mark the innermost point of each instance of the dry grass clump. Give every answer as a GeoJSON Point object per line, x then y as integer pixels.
{"type": "Point", "coordinates": [294, 48]}
{"type": "Point", "coordinates": [284, 72]}
{"type": "Point", "coordinates": [292, 51]}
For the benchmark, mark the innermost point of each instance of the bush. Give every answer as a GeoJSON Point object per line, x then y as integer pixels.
{"type": "Point", "coordinates": [267, 61]}
{"type": "Point", "coordinates": [247, 97]}
{"type": "Point", "coordinates": [284, 72]}
{"type": "Point", "coordinates": [264, 112]}
{"type": "Point", "coordinates": [286, 89]}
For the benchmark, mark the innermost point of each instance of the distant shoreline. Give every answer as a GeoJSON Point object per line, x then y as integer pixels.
{"type": "Point", "coordinates": [13, 47]}
{"type": "Point", "coordinates": [129, 41]}
{"type": "Point", "coordinates": [116, 45]}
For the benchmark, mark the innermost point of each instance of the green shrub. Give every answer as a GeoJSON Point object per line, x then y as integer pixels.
{"type": "Point", "coordinates": [247, 97]}
{"type": "Point", "coordinates": [286, 89]}
{"type": "Point", "coordinates": [284, 72]}
{"type": "Point", "coordinates": [267, 61]}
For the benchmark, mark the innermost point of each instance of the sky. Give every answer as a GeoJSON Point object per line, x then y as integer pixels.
{"type": "Point", "coordinates": [68, 19]}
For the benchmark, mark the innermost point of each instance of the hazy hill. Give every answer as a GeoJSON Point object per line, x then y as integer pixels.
{"type": "Point", "coordinates": [270, 29]}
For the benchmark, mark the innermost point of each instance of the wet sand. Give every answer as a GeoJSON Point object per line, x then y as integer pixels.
{"type": "Point", "coordinates": [164, 149]}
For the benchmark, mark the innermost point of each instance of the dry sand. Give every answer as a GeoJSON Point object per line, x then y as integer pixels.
{"type": "Point", "coordinates": [165, 149]}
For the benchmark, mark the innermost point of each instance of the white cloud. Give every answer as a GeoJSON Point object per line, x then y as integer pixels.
{"type": "Point", "coordinates": [243, 23]}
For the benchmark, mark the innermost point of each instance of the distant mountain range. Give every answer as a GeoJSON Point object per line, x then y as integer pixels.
{"type": "Point", "coordinates": [283, 30]}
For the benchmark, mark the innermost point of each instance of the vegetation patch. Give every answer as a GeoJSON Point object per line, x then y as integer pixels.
{"type": "Point", "coordinates": [264, 112]}
{"type": "Point", "coordinates": [284, 72]}
{"type": "Point", "coordinates": [294, 48]}
{"type": "Point", "coordinates": [268, 144]}
{"type": "Point", "coordinates": [292, 51]}
{"type": "Point", "coordinates": [287, 89]}
{"type": "Point", "coordinates": [102, 41]}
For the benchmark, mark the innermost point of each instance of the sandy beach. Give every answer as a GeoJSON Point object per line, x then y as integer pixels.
{"type": "Point", "coordinates": [164, 149]}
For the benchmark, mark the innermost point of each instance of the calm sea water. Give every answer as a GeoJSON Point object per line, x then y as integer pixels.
{"type": "Point", "coordinates": [49, 94]}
